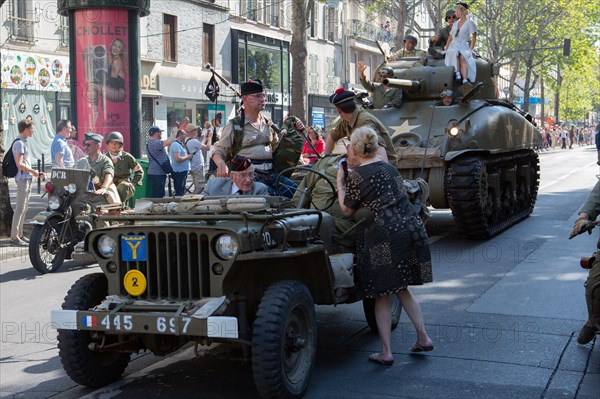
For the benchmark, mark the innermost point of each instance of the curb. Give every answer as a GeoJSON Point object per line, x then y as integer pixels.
{"type": "Point", "coordinates": [9, 251]}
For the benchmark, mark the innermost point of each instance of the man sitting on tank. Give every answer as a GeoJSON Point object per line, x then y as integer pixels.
{"type": "Point", "coordinates": [409, 50]}
{"type": "Point", "coordinates": [383, 95]}
{"type": "Point", "coordinates": [352, 117]}
{"type": "Point", "coordinates": [240, 180]}
{"type": "Point", "coordinates": [438, 42]}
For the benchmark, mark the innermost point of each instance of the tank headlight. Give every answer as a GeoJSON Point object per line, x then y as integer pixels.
{"type": "Point", "coordinates": [54, 202]}
{"type": "Point", "coordinates": [453, 128]}
{"type": "Point", "coordinates": [226, 246]}
{"type": "Point", "coordinates": [71, 188]}
{"type": "Point", "coordinates": [106, 246]}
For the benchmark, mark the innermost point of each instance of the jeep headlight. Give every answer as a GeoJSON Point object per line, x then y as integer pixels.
{"type": "Point", "coordinates": [106, 246]}
{"type": "Point", "coordinates": [226, 246]}
{"type": "Point", "coordinates": [54, 202]}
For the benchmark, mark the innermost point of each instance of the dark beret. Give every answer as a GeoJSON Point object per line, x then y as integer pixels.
{"type": "Point", "coordinates": [239, 163]}
{"type": "Point", "coordinates": [252, 87]}
{"type": "Point", "coordinates": [93, 136]}
{"type": "Point", "coordinates": [464, 5]}
{"type": "Point", "coordinates": [411, 38]}
{"type": "Point", "coordinates": [341, 96]}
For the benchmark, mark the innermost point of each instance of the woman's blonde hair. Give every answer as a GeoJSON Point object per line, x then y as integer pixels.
{"type": "Point", "coordinates": [365, 142]}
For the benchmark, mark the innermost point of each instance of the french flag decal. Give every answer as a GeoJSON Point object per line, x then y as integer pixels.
{"type": "Point", "coordinates": [88, 321]}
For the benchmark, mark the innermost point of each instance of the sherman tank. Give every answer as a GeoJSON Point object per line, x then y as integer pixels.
{"type": "Point", "coordinates": [477, 155]}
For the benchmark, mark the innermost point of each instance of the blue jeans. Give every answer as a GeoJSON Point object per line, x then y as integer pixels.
{"type": "Point", "coordinates": [287, 187]}
{"type": "Point", "coordinates": [157, 185]}
{"type": "Point", "coordinates": [179, 179]}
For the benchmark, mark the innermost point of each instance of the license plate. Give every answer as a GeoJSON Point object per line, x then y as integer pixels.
{"type": "Point", "coordinates": [133, 248]}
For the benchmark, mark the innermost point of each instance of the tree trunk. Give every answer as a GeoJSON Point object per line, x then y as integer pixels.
{"type": "Point", "coordinates": [299, 54]}
{"type": "Point", "coordinates": [6, 211]}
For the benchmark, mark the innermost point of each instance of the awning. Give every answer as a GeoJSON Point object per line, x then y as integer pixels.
{"type": "Point", "coordinates": [151, 93]}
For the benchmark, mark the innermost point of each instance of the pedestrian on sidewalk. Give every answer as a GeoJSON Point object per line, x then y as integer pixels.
{"type": "Point", "coordinates": [180, 160]}
{"type": "Point", "coordinates": [23, 180]}
{"type": "Point", "coordinates": [157, 156]}
{"type": "Point", "coordinates": [62, 155]}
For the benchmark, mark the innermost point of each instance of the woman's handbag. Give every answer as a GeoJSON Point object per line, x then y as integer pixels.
{"type": "Point", "coordinates": [165, 166]}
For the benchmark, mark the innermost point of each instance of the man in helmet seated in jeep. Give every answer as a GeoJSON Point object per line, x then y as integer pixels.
{"type": "Point", "coordinates": [240, 180]}
{"type": "Point", "coordinates": [128, 172]}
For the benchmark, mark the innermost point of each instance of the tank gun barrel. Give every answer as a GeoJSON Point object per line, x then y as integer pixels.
{"type": "Point", "coordinates": [410, 85]}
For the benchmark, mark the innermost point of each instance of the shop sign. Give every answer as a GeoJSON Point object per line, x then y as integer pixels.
{"type": "Point", "coordinates": [149, 82]}
{"type": "Point", "coordinates": [182, 88]}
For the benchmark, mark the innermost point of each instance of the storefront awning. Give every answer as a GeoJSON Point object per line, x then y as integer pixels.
{"type": "Point", "coordinates": [151, 93]}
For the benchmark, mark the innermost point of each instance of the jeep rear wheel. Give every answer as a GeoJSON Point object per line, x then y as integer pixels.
{"type": "Point", "coordinates": [284, 341]}
{"type": "Point", "coordinates": [369, 308]}
{"type": "Point", "coordinates": [84, 366]}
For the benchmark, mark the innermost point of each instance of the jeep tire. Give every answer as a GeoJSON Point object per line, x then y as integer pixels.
{"type": "Point", "coordinates": [284, 341]}
{"type": "Point", "coordinates": [369, 308]}
{"type": "Point", "coordinates": [85, 366]}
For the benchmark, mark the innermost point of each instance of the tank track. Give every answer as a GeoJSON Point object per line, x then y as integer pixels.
{"type": "Point", "coordinates": [489, 193]}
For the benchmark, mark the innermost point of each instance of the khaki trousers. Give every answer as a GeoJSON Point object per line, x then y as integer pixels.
{"type": "Point", "coordinates": [22, 203]}
{"type": "Point", "coordinates": [593, 279]}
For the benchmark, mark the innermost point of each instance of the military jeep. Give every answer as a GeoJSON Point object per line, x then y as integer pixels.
{"type": "Point", "coordinates": [215, 271]}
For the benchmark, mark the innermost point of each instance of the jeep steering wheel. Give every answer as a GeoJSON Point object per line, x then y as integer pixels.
{"type": "Point", "coordinates": [320, 175]}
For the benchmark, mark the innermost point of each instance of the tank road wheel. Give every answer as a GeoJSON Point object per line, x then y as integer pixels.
{"type": "Point", "coordinates": [84, 366]}
{"type": "Point", "coordinates": [489, 194]}
{"type": "Point", "coordinates": [284, 341]}
{"type": "Point", "coordinates": [46, 253]}
{"type": "Point", "coordinates": [369, 309]}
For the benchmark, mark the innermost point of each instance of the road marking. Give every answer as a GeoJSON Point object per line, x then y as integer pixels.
{"type": "Point", "coordinates": [566, 176]}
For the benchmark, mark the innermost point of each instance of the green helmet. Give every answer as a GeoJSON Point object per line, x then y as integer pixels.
{"type": "Point", "coordinates": [114, 136]}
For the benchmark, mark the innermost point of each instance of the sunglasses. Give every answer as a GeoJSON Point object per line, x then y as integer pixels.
{"type": "Point", "coordinates": [452, 17]}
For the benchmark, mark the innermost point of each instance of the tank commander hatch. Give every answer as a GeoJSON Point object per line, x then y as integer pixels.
{"type": "Point", "coordinates": [383, 95]}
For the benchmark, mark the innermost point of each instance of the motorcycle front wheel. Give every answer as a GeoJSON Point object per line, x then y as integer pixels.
{"type": "Point", "coordinates": [46, 252]}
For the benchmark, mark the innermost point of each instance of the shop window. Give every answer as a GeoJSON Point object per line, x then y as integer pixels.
{"type": "Point", "coordinates": [208, 44]}
{"type": "Point", "coordinates": [170, 37]}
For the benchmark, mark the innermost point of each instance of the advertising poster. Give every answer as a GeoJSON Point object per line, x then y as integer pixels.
{"type": "Point", "coordinates": [101, 37]}
{"type": "Point", "coordinates": [27, 71]}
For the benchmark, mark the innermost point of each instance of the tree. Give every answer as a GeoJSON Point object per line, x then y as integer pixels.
{"type": "Point", "coordinates": [301, 9]}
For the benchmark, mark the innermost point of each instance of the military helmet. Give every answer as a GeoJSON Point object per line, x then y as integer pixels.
{"type": "Point", "coordinates": [114, 136]}
{"type": "Point", "coordinates": [447, 93]}
{"type": "Point", "coordinates": [410, 38]}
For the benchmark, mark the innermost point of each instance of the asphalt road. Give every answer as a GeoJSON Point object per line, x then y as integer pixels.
{"type": "Point", "coordinates": [504, 315]}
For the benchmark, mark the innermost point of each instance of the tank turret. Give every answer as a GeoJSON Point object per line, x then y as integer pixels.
{"type": "Point", "coordinates": [477, 155]}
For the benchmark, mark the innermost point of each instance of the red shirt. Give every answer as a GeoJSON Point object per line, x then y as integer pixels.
{"type": "Point", "coordinates": [320, 147]}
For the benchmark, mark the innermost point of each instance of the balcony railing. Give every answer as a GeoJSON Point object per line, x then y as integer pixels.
{"type": "Point", "coordinates": [21, 28]}
{"type": "Point", "coordinates": [366, 31]}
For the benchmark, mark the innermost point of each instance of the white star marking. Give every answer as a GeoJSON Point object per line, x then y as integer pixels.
{"type": "Point", "coordinates": [405, 127]}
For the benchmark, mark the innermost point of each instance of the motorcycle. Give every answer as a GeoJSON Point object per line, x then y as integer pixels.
{"type": "Point", "coordinates": [67, 220]}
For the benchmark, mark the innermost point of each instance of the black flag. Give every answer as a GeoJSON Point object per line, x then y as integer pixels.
{"type": "Point", "coordinates": [212, 89]}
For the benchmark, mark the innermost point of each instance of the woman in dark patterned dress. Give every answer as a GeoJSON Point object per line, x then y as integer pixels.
{"type": "Point", "coordinates": [393, 252]}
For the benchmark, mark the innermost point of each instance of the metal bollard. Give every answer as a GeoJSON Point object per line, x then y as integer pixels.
{"type": "Point", "coordinates": [39, 180]}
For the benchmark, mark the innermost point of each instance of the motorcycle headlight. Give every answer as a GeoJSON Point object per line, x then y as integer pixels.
{"type": "Point", "coordinates": [54, 202]}
{"type": "Point", "coordinates": [71, 188]}
{"type": "Point", "coordinates": [226, 246]}
{"type": "Point", "coordinates": [106, 246]}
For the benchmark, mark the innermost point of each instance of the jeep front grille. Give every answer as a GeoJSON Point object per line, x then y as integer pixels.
{"type": "Point", "coordinates": [177, 266]}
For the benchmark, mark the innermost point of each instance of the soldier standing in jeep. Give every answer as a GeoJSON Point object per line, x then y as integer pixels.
{"type": "Point", "coordinates": [251, 135]}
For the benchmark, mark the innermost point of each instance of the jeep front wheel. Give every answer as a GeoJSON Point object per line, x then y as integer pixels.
{"type": "Point", "coordinates": [369, 309]}
{"type": "Point", "coordinates": [85, 366]}
{"type": "Point", "coordinates": [284, 341]}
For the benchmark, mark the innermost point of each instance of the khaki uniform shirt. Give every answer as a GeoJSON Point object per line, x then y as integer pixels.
{"type": "Point", "coordinates": [256, 143]}
{"type": "Point", "coordinates": [360, 117]}
{"type": "Point", "coordinates": [125, 164]}
{"type": "Point", "coordinates": [405, 53]}
{"type": "Point", "coordinates": [381, 96]}
{"type": "Point", "coordinates": [592, 205]}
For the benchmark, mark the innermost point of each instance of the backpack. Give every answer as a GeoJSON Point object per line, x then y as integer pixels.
{"type": "Point", "coordinates": [9, 165]}
{"type": "Point", "coordinates": [289, 149]}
